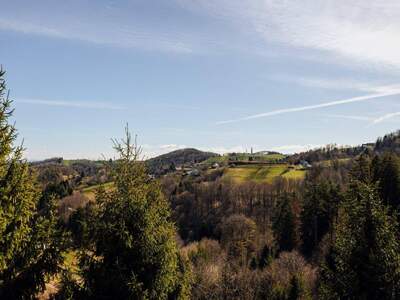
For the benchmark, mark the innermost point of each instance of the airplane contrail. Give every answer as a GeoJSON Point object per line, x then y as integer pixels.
{"type": "Point", "coordinates": [385, 117]}
{"type": "Point", "coordinates": [316, 106]}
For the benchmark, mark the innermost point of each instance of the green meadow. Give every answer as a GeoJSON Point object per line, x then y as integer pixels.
{"type": "Point", "coordinates": [263, 173]}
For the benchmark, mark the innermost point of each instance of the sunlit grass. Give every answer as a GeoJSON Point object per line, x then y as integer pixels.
{"type": "Point", "coordinates": [263, 173]}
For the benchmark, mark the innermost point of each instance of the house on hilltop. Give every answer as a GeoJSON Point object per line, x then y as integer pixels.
{"type": "Point", "coordinates": [305, 164]}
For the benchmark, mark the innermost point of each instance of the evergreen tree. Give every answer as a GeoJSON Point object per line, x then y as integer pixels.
{"type": "Point", "coordinates": [387, 173]}
{"type": "Point", "coordinates": [364, 261]}
{"type": "Point", "coordinates": [29, 239]}
{"type": "Point", "coordinates": [284, 224]}
{"type": "Point", "coordinates": [362, 169]}
{"type": "Point", "coordinates": [266, 257]}
{"type": "Point", "coordinates": [318, 213]}
{"type": "Point", "coordinates": [132, 252]}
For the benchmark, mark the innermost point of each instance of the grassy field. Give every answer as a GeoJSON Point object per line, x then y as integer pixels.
{"type": "Point", "coordinates": [69, 162]}
{"type": "Point", "coordinates": [262, 173]}
{"type": "Point", "coordinates": [90, 192]}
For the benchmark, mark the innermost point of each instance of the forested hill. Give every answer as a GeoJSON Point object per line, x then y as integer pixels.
{"type": "Point", "coordinates": [168, 161]}
{"type": "Point", "coordinates": [388, 143]}
{"type": "Point", "coordinates": [329, 152]}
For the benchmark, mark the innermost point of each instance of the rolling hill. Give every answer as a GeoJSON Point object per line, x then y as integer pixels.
{"type": "Point", "coordinates": [167, 162]}
{"type": "Point", "coordinates": [263, 173]}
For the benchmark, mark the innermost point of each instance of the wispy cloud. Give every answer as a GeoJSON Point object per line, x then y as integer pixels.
{"type": "Point", "coordinates": [334, 83]}
{"type": "Point", "coordinates": [360, 32]}
{"type": "Point", "coordinates": [74, 104]}
{"type": "Point", "coordinates": [150, 151]}
{"type": "Point", "coordinates": [25, 27]}
{"type": "Point", "coordinates": [316, 106]}
{"type": "Point", "coordinates": [385, 118]}
{"type": "Point", "coordinates": [363, 32]}
{"type": "Point", "coordinates": [290, 149]}
{"type": "Point", "coordinates": [369, 119]}
{"type": "Point", "coordinates": [172, 147]}
{"type": "Point", "coordinates": [350, 117]}
{"type": "Point", "coordinates": [340, 28]}
{"type": "Point", "coordinates": [112, 29]}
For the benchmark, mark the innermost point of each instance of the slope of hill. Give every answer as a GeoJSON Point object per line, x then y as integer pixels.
{"type": "Point", "coordinates": [167, 162]}
{"type": "Point", "coordinates": [390, 142]}
{"type": "Point", "coordinates": [263, 173]}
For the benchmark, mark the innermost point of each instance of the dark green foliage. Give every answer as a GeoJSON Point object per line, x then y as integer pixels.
{"type": "Point", "coordinates": [79, 224]}
{"type": "Point", "coordinates": [390, 142]}
{"type": "Point", "coordinates": [132, 253]}
{"type": "Point", "coordinates": [266, 257]}
{"type": "Point", "coordinates": [386, 171]}
{"type": "Point", "coordinates": [329, 152]}
{"type": "Point", "coordinates": [362, 169]}
{"type": "Point", "coordinates": [284, 224]}
{"type": "Point", "coordinates": [319, 211]}
{"type": "Point", "coordinates": [364, 262]}
{"type": "Point", "coordinates": [68, 289]}
{"type": "Point", "coordinates": [55, 190]}
{"type": "Point", "coordinates": [30, 242]}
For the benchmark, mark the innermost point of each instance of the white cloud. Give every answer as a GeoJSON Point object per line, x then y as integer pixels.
{"type": "Point", "coordinates": [358, 31]}
{"type": "Point", "coordinates": [290, 149]}
{"type": "Point", "coordinates": [155, 150]}
{"type": "Point", "coordinates": [76, 104]}
{"type": "Point", "coordinates": [24, 27]}
{"type": "Point", "coordinates": [222, 150]}
{"type": "Point", "coordinates": [363, 32]}
{"type": "Point", "coordinates": [390, 92]}
{"type": "Point", "coordinates": [172, 147]}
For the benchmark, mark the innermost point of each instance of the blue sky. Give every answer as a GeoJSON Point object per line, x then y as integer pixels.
{"type": "Point", "coordinates": [221, 75]}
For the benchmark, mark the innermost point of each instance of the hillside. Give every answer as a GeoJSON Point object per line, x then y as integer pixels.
{"type": "Point", "coordinates": [264, 173]}
{"type": "Point", "coordinates": [390, 142]}
{"type": "Point", "coordinates": [167, 162]}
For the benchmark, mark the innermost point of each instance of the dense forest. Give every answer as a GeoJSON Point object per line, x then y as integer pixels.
{"type": "Point", "coordinates": [130, 229]}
